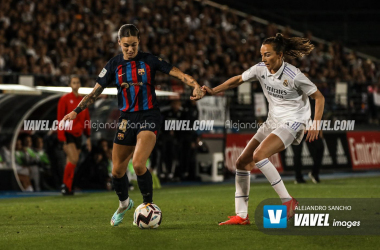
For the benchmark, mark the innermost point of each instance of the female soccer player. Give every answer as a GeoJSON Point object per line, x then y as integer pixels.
{"type": "Point", "coordinates": [72, 139]}
{"type": "Point", "coordinates": [286, 89]}
{"type": "Point", "coordinates": [133, 73]}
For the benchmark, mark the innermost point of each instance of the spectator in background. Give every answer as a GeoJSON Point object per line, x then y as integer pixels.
{"type": "Point", "coordinates": [170, 149]}
{"type": "Point", "coordinates": [107, 152]}
{"type": "Point", "coordinates": [31, 160]}
{"type": "Point", "coordinates": [47, 179]}
{"type": "Point", "coordinates": [187, 144]}
{"type": "Point", "coordinates": [316, 149]}
{"type": "Point", "coordinates": [23, 171]}
{"type": "Point", "coordinates": [72, 139]}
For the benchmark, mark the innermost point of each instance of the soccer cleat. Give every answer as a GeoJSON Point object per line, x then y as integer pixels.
{"type": "Point", "coordinates": [65, 190]}
{"type": "Point", "coordinates": [314, 178]}
{"type": "Point", "coordinates": [235, 220]}
{"type": "Point", "coordinates": [290, 207]}
{"type": "Point", "coordinates": [117, 218]}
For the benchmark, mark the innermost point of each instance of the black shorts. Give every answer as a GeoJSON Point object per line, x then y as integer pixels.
{"type": "Point", "coordinates": [72, 139]}
{"type": "Point", "coordinates": [132, 123]}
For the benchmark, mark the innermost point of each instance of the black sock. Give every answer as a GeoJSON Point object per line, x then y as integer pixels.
{"type": "Point", "coordinates": [146, 186]}
{"type": "Point", "coordinates": [121, 187]}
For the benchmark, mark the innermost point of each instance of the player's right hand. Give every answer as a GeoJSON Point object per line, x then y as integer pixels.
{"type": "Point", "coordinates": [209, 91]}
{"type": "Point", "coordinates": [70, 116]}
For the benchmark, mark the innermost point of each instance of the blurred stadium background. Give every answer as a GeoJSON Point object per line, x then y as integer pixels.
{"type": "Point", "coordinates": [43, 42]}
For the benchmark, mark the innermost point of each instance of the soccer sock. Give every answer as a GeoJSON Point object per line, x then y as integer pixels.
{"type": "Point", "coordinates": [121, 188]}
{"type": "Point", "coordinates": [272, 175]}
{"type": "Point", "coordinates": [68, 175]}
{"type": "Point", "coordinates": [146, 186]}
{"type": "Point", "coordinates": [242, 184]}
{"type": "Point", "coordinates": [123, 205]}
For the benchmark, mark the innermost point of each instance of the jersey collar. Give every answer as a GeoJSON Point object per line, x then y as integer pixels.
{"type": "Point", "coordinates": [279, 72]}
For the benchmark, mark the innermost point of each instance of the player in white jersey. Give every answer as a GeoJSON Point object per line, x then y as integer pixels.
{"type": "Point", "coordinates": [287, 90]}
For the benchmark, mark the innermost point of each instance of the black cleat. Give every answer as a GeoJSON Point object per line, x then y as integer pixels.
{"type": "Point", "coordinates": [299, 181]}
{"type": "Point", "coordinates": [65, 190]}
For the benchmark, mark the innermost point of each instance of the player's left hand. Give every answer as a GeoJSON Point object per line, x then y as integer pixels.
{"type": "Point", "coordinates": [88, 144]}
{"type": "Point", "coordinates": [198, 93]}
{"type": "Point", "coordinates": [312, 135]}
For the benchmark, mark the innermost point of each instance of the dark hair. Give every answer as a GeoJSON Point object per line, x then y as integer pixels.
{"type": "Point", "coordinates": [128, 30]}
{"type": "Point", "coordinates": [291, 47]}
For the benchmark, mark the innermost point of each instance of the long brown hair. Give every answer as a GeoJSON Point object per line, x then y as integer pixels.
{"type": "Point", "coordinates": [294, 47]}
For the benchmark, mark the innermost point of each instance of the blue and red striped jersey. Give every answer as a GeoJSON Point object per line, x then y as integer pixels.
{"type": "Point", "coordinates": [134, 80]}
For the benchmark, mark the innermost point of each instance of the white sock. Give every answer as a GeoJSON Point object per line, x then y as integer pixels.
{"type": "Point", "coordinates": [272, 175]}
{"type": "Point", "coordinates": [242, 184]}
{"type": "Point", "coordinates": [123, 205]}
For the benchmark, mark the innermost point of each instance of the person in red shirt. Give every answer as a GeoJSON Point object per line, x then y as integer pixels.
{"type": "Point", "coordinates": [72, 138]}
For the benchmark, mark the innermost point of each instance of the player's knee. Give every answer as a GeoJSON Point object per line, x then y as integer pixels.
{"type": "Point", "coordinates": [117, 172]}
{"type": "Point", "coordinates": [139, 167]}
{"type": "Point", "coordinates": [258, 156]}
{"type": "Point", "coordinates": [240, 164]}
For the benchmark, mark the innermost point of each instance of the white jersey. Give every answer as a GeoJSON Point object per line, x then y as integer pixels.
{"type": "Point", "coordinates": [287, 92]}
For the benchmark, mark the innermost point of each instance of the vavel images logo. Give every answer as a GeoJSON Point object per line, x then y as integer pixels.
{"type": "Point", "coordinates": [275, 216]}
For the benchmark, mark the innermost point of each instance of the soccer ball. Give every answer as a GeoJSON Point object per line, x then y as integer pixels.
{"type": "Point", "coordinates": [147, 216]}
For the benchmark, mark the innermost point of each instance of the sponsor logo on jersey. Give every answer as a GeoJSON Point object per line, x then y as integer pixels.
{"type": "Point", "coordinates": [128, 84]}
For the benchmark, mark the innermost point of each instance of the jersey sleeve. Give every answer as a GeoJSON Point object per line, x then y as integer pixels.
{"type": "Point", "coordinates": [106, 76]}
{"type": "Point", "coordinates": [250, 74]}
{"type": "Point", "coordinates": [303, 83]}
{"type": "Point", "coordinates": [162, 65]}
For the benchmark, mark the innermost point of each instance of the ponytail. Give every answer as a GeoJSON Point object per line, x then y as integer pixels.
{"type": "Point", "coordinates": [295, 47]}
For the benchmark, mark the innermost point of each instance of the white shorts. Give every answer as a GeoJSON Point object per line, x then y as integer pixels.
{"type": "Point", "coordinates": [289, 132]}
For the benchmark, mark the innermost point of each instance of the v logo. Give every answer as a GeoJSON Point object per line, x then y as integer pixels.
{"type": "Point", "coordinates": [122, 74]}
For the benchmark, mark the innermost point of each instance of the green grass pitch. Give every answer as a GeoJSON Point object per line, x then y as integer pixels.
{"type": "Point", "coordinates": [190, 216]}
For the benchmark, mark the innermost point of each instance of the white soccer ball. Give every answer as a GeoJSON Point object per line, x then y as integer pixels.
{"type": "Point", "coordinates": [147, 216]}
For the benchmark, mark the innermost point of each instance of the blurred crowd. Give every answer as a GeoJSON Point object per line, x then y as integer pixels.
{"type": "Point", "coordinates": [54, 38]}
{"type": "Point", "coordinates": [58, 38]}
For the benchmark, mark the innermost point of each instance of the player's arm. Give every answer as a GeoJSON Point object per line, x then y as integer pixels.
{"type": "Point", "coordinates": [198, 93]}
{"type": "Point", "coordinates": [86, 101]}
{"type": "Point", "coordinates": [231, 83]}
{"type": "Point", "coordinates": [319, 107]}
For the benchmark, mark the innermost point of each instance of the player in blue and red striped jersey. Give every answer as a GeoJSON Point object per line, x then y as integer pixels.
{"type": "Point", "coordinates": [133, 72]}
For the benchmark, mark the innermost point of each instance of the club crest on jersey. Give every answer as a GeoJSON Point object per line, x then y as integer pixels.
{"type": "Point", "coordinates": [286, 84]}
{"type": "Point", "coordinates": [120, 136]}
{"type": "Point", "coordinates": [141, 72]}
